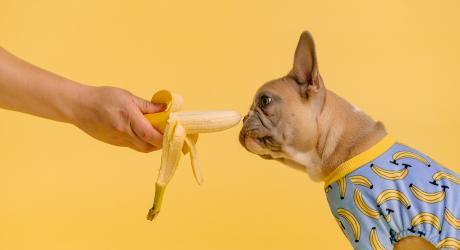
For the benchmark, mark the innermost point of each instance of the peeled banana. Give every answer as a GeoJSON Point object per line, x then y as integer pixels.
{"type": "Point", "coordinates": [180, 133]}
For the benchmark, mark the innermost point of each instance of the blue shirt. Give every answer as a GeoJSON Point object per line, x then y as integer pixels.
{"type": "Point", "coordinates": [392, 191]}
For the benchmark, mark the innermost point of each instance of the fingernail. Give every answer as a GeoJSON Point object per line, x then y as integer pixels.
{"type": "Point", "coordinates": [162, 105]}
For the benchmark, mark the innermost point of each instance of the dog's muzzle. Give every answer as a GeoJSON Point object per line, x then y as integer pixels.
{"type": "Point", "coordinates": [255, 137]}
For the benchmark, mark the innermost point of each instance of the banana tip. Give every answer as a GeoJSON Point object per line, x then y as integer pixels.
{"type": "Point", "coordinates": [152, 214]}
{"type": "Point", "coordinates": [199, 181]}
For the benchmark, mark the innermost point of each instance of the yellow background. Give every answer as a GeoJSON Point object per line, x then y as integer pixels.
{"type": "Point", "coordinates": [61, 189]}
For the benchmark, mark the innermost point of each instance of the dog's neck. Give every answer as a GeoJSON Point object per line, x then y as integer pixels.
{"type": "Point", "coordinates": [344, 132]}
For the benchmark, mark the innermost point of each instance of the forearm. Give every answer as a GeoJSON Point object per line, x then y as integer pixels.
{"type": "Point", "coordinates": [109, 114]}
{"type": "Point", "coordinates": [29, 89]}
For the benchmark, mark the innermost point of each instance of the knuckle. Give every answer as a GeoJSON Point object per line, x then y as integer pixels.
{"type": "Point", "coordinates": [145, 104]}
{"type": "Point", "coordinates": [124, 114]}
{"type": "Point", "coordinates": [146, 135]}
{"type": "Point", "coordinates": [118, 127]}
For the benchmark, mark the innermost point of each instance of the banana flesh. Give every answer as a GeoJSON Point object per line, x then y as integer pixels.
{"type": "Point", "coordinates": [180, 134]}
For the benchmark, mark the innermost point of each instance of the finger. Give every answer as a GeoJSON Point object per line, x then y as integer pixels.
{"type": "Point", "coordinates": [141, 146]}
{"type": "Point", "coordinates": [145, 132]}
{"type": "Point", "coordinates": [147, 107]}
{"type": "Point", "coordinates": [135, 142]}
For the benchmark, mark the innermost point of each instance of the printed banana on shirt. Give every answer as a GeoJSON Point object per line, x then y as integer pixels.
{"type": "Point", "coordinates": [392, 191]}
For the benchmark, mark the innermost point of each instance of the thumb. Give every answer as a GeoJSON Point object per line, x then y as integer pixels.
{"type": "Point", "coordinates": [144, 131]}
{"type": "Point", "coordinates": [147, 107]}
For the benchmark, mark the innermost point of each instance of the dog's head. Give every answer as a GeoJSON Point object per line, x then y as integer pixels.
{"type": "Point", "coordinates": [282, 120]}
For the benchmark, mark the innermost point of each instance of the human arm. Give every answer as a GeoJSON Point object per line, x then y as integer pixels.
{"type": "Point", "coordinates": [108, 114]}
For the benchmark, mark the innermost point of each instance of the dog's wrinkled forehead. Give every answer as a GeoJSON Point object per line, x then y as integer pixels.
{"type": "Point", "coordinates": [269, 101]}
{"type": "Point", "coordinates": [284, 88]}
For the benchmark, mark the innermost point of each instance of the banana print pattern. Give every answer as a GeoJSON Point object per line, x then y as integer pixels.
{"type": "Point", "coordinates": [407, 154]}
{"type": "Point", "coordinates": [374, 240]}
{"type": "Point", "coordinates": [451, 219]}
{"type": "Point", "coordinates": [390, 174]}
{"type": "Point", "coordinates": [425, 196]}
{"type": "Point", "coordinates": [399, 193]}
{"type": "Point", "coordinates": [442, 175]}
{"type": "Point", "coordinates": [340, 224]}
{"type": "Point", "coordinates": [342, 188]}
{"type": "Point", "coordinates": [391, 194]}
{"type": "Point", "coordinates": [388, 217]}
{"type": "Point", "coordinates": [428, 218]}
{"type": "Point", "coordinates": [450, 243]}
{"type": "Point", "coordinates": [352, 221]}
{"type": "Point", "coordinates": [365, 209]}
{"type": "Point", "coordinates": [361, 180]}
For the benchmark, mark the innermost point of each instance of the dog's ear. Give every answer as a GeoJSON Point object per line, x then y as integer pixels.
{"type": "Point", "coordinates": [305, 69]}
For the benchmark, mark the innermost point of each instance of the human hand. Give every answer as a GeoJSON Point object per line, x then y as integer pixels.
{"type": "Point", "coordinates": [115, 116]}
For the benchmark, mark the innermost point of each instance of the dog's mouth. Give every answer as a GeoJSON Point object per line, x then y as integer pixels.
{"type": "Point", "coordinates": [267, 157]}
{"type": "Point", "coordinates": [270, 143]}
{"type": "Point", "coordinates": [257, 135]}
{"type": "Point", "coordinates": [263, 145]}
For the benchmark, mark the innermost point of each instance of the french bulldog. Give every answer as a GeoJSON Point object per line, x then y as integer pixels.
{"type": "Point", "coordinates": [297, 121]}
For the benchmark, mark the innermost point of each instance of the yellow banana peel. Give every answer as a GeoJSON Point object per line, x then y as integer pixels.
{"type": "Point", "coordinates": [180, 134]}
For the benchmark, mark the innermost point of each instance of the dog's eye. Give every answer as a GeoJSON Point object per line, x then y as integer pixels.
{"type": "Point", "coordinates": [265, 100]}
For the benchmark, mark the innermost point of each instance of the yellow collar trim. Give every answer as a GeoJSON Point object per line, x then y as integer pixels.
{"type": "Point", "coordinates": [354, 163]}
